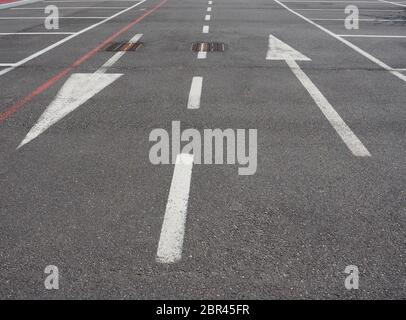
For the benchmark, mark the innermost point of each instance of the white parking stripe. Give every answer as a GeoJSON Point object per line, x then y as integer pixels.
{"type": "Point", "coordinates": [33, 33]}
{"type": "Point", "coordinates": [349, 138]}
{"type": "Point", "coordinates": [43, 8]}
{"type": "Point", "coordinates": [173, 228]}
{"type": "Point", "coordinates": [195, 93]}
{"type": "Point", "coordinates": [394, 3]}
{"type": "Point", "coordinates": [58, 43]}
{"type": "Point", "coordinates": [346, 42]}
{"type": "Point", "coordinates": [205, 29]}
{"type": "Point", "coordinates": [207, 17]}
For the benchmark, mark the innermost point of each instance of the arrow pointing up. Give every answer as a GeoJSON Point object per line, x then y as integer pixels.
{"type": "Point", "coordinates": [279, 50]}
{"type": "Point", "coordinates": [79, 88]}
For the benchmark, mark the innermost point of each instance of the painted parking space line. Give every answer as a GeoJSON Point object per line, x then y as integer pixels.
{"type": "Point", "coordinates": [60, 42]}
{"type": "Point", "coordinates": [195, 93]}
{"type": "Point", "coordinates": [170, 244]}
{"type": "Point", "coordinates": [393, 3]}
{"type": "Point", "coordinates": [278, 50]}
{"type": "Point", "coordinates": [205, 29]}
{"type": "Point", "coordinates": [369, 36]}
{"type": "Point", "coordinates": [42, 18]}
{"type": "Point", "coordinates": [348, 43]}
{"type": "Point", "coordinates": [33, 33]}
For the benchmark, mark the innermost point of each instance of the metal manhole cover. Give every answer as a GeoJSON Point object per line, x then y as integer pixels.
{"type": "Point", "coordinates": [208, 47]}
{"type": "Point", "coordinates": [122, 46]}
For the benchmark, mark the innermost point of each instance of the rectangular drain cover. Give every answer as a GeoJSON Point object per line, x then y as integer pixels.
{"type": "Point", "coordinates": [208, 47]}
{"type": "Point", "coordinates": [122, 46]}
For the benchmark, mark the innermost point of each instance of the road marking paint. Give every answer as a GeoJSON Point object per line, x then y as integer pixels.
{"type": "Point", "coordinates": [368, 36]}
{"type": "Point", "coordinates": [43, 8]}
{"type": "Point", "coordinates": [278, 50]}
{"type": "Point", "coordinates": [21, 103]}
{"type": "Point", "coordinates": [210, 2]}
{"type": "Point", "coordinates": [209, 9]}
{"type": "Point", "coordinates": [201, 54]}
{"type": "Point", "coordinates": [342, 10]}
{"type": "Point", "coordinates": [346, 42]}
{"type": "Point", "coordinates": [366, 20]}
{"type": "Point", "coordinates": [58, 43]}
{"type": "Point", "coordinates": [195, 93]}
{"type": "Point", "coordinates": [33, 33]}
{"type": "Point", "coordinates": [78, 89]}
{"type": "Point", "coordinates": [205, 29]}
{"type": "Point", "coordinates": [346, 134]}
{"type": "Point", "coordinates": [330, 1]}
{"type": "Point", "coordinates": [394, 3]}
{"type": "Point", "coordinates": [173, 228]}
{"type": "Point", "coordinates": [6, 64]}
{"type": "Point", "coordinates": [207, 17]}
{"type": "Point", "coordinates": [118, 55]}
{"type": "Point", "coordinates": [42, 18]}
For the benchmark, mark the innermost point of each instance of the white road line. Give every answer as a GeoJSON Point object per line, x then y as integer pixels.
{"type": "Point", "coordinates": [210, 2]}
{"type": "Point", "coordinates": [346, 134]}
{"type": "Point", "coordinates": [42, 18]}
{"type": "Point", "coordinates": [195, 93]}
{"type": "Point", "coordinates": [207, 17]}
{"type": "Point", "coordinates": [58, 43]}
{"type": "Point", "coordinates": [342, 10]}
{"type": "Point", "coordinates": [33, 33]}
{"type": "Point", "coordinates": [43, 8]}
{"type": "Point", "coordinates": [329, 1]}
{"type": "Point", "coordinates": [109, 63]}
{"type": "Point", "coordinates": [394, 3]}
{"type": "Point", "coordinates": [202, 54]}
{"type": "Point", "coordinates": [78, 89]}
{"type": "Point", "coordinates": [209, 9]}
{"type": "Point", "coordinates": [346, 42]}
{"type": "Point", "coordinates": [370, 20]}
{"type": "Point", "coordinates": [368, 36]}
{"type": "Point", "coordinates": [205, 29]}
{"type": "Point", "coordinates": [6, 64]}
{"type": "Point", "coordinates": [173, 228]}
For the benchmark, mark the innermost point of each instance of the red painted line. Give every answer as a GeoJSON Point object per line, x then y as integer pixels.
{"type": "Point", "coordinates": [21, 103]}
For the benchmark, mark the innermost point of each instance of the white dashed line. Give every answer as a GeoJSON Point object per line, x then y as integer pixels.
{"type": "Point", "coordinates": [394, 3]}
{"type": "Point", "coordinates": [173, 227]}
{"type": "Point", "coordinates": [33, 33]}
{"type": "Point", "coordinates": [368, 36]}
{"type": "Point", "coordinates": [210, 2]}
{"type": "Point", "coordinates": [209, 9]}
{"type": "Point", "coordinates": [195, 93]}
{"type": "Point", "coordinates": [207, 17]}
{"type": "Point", "coordinates": [205, 29]}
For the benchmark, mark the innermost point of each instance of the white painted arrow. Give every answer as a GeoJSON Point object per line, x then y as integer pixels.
{"type": "Point", "coordinates": [278, 50]}
{"type": "Point", "coordinates": [79, 88]}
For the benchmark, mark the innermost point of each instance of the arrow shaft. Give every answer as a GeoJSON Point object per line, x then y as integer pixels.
{"type": "Point", "coordinates": [342, 129]}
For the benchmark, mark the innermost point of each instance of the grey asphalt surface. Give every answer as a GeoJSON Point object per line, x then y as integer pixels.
{"type": "Point", "coordinates": [84, 196]}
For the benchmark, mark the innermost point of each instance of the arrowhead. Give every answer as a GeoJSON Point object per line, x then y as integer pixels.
{"type": "Point", "coordinates": [278, 50]}
{"type": "Point", "coordinates": [79, 88]}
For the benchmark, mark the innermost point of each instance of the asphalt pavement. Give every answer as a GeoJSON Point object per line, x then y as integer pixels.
{"type": "Point", "coordinates": [82, 194]}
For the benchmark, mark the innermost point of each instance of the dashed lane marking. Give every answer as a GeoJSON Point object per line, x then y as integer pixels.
{"type": "Point", "coordinates": [195, 93]}
{"type": "Point", "coordinates": [173, 228]}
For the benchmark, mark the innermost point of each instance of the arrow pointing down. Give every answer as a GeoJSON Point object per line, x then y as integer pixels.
{"type": "Point", "coordinates": [278, 50]}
